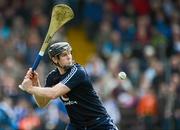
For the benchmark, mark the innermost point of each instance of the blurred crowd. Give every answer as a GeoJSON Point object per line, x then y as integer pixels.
{"type": "Point", "coordinates": [139, 37]}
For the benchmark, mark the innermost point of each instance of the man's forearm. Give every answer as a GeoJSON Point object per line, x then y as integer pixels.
{"type": "Point", "coordinates": [48, 92]}
{"type": "Point", "coordinates": [42, 92]}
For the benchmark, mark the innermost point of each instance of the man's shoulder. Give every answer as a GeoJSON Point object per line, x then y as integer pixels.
{"type": "Point", "coordinates": [78, 70]}
{"type": "Point", "coordinates": [53, 72]}
{"type": "Point", "coordinates": [79, 67]}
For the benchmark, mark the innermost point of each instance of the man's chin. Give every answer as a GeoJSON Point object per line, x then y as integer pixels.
{"type": "Point", "coordinates": [68, 66]}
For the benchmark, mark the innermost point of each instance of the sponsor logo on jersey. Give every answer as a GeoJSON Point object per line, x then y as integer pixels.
{"type": "Point", "coordinates": [66, 100]}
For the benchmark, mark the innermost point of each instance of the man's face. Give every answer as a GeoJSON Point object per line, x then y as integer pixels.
{"type": "Point", "coordinates": [65, 59]}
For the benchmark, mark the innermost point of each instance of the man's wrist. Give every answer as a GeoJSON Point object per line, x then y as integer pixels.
{"type": "Point", "coordinates": [30, 90]}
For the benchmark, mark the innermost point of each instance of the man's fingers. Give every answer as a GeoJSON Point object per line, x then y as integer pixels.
{"type": "Point", "coordinates": [29, 74]}
{"type": "Point", "coordinates": [32, 75]}
{"type": "Point", "coordinates": [30, 71]}
{"type": "Point", "coordinates": [35, 74]}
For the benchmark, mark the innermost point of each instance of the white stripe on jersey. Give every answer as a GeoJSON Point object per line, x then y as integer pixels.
{"type": "Point", "coordinates": [69, 76]}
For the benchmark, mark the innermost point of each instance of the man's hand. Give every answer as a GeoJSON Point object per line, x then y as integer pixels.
{"type": "Point", "coordinates": [26, 84]}
{"type": "Point", "coordinates": [31, 79]}
{"type": "Point", "coordinates": [34, 78]}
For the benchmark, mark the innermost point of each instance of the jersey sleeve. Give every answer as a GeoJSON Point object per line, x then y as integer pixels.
{"type": "Point", "coordinates": [74, 78]}
{"type": "Point", "coordinates": [49, 79]}
{"type": "Point", "coordinates": [47, 82]}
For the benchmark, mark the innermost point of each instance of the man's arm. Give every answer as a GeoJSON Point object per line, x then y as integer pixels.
{"type": "Point", "coordinates": [46, 92]}
{"type": "Point", "coordinates": [41, 95]}
{"type": "Point", "coordinates": [40, 101]}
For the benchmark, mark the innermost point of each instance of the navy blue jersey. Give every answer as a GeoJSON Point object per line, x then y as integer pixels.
{"type": "Point", "coordinates": [82, 103]}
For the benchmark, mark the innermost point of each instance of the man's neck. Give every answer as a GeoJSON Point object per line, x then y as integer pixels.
{"type": "Point", "coordinates": [61, 71]}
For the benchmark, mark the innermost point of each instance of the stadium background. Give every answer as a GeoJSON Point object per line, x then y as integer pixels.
{"type": "Point", "coordinates": [140, 37]}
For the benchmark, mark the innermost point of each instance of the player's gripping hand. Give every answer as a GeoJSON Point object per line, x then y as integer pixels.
{"type": "Point", "coordinates": [33, 75]}
{"type": "Point", "coordinates": [31, 79]}
{"type": "Point", "coordinates": [27, 82]}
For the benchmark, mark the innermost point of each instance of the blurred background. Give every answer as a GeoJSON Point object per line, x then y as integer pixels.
{"type": "Point", "coordinates": [139, 37]}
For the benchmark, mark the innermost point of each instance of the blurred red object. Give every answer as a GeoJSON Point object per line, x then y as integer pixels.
{"type": "Point", "coordinates": [142, 7]}
{"type": "Point", "coordinates": [147, 105]}
{"type": "Point", "coordinates": [30, 123]}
